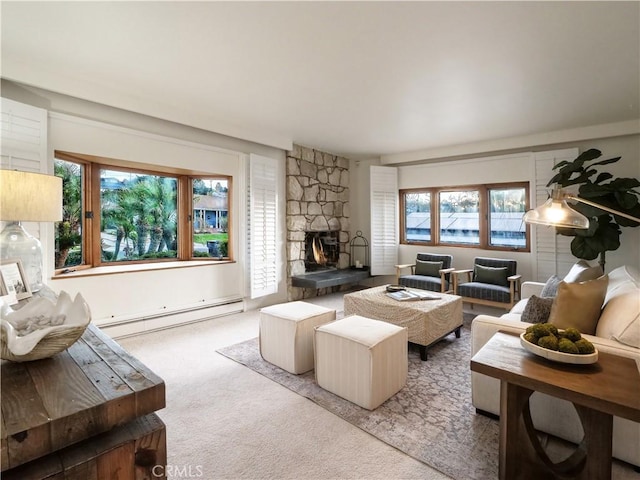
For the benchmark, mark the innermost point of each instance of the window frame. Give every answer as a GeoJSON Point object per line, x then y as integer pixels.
{"type": "Point", "coordinates": [484, 203]}
{"type": "Point", "coordinates": [91, 211]}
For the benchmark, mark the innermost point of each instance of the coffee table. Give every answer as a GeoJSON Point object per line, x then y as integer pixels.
{"type": "Point", "coordinates": [427, 321]}
{"type": "Point", "coordinates": [598, 392]}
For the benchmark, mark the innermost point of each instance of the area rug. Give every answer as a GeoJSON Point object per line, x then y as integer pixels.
{"type": "Point", "coordinates": [431, 418]}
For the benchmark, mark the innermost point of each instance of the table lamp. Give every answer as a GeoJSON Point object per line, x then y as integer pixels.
{"type": "Point", "coordinates": [32, 197]}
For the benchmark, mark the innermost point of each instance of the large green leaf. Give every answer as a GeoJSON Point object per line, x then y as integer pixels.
{"type": "Point", "coordinates": [577, 164]}
{"type": "Point", "coordinates": [605, 162]}
{"type": "Point", "coordinates": [605, 238]}
{"type": "Point", "coordinates": [602, 177]}
{"type": "Point", "coordinates": [581, 248]}
{"type": "Point", "coordinates": [626, 200]}
{"type": "Point", "coordinates": [623, 184]}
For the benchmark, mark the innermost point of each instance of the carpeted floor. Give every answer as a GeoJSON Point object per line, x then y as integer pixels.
{"type": "Point", "coordinates": [431, 419]}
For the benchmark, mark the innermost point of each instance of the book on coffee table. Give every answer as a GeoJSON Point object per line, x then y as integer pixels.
{"type": "Point", "coordinates": [411, 295]}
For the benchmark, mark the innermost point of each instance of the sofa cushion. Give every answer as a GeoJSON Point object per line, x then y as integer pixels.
{"type": "Point", "coordinates": [537, 309]}
{"type": "Point", "coordinates": [492, 275]}
{"type": "Point", "coordinates": [430, 269]}
{"type": "Point", "coordinates": [581, 271]}
{"type": "Point", "coordinates": [578, 305]}
{"type": "Point", "coordinates": [519, 307]}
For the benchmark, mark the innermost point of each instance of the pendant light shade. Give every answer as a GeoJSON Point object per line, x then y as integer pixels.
{"type": "Point", "coordinates": [557, 213]}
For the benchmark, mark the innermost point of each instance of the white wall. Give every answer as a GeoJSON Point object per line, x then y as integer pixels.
{"type": "Point", "coordinates": [122, 295]}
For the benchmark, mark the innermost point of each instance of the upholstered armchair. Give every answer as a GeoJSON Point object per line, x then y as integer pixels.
{"type": "Point", "coordinates": [430, 272]}
{"type": "Point", "coordinates": [492, 281]}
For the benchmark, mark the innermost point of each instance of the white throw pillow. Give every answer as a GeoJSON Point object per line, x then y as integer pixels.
{"type": "Point", "coordinates": [621, 280]}
{"type": "Point", "coordinates": [581, 271]}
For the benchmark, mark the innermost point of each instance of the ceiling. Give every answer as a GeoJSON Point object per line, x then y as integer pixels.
{"type": "Point", "coordinates": [360, 79]}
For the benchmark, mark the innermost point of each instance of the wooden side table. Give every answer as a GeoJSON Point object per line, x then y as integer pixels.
{"type": "Point", "coordinates": [87, 413]}
{"type": "Point", "coordinates": [598, 392]}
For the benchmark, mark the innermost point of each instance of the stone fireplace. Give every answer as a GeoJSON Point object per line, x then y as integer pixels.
{"type": "Point", "coordinates": [317, 194]}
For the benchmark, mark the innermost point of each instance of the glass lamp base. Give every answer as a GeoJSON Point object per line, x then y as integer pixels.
{"type": "Point", "coordinates": [17, 243]}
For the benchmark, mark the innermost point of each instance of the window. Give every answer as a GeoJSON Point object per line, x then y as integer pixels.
{"type": "Point", "coordinates": [210, 200]}
{"type": "Point", "coordinates": [138, 216]}
{"type": "Point", "coordinates": [114, 213]}
{"type": "Point", "coordinates": [506, 228]}
{"type": "Point", "coordinates": [417, 214]}
{"type": "Point", "coordinates": [68, 233]}
{"type": "Point", "coordinates": [481, 216]}
{"type": "Point", "coordinates": [460, 217]}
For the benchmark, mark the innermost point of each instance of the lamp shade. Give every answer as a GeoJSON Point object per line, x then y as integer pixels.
{"type": "Point", "coordinates": [555, 212]}
{"type": "Point", "coordinates": [30, 197]}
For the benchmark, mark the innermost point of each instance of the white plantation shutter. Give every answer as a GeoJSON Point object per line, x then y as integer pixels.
{"type": "Point", "coordinates": [263, 221]}
{"type": "Point", "coordinates": [23, 146]}
{"type": "Point", "coordinates": [384, 220]}
{"type": "Point", "coordinates": [24, 137]}
{"type": "Point", "coordinates": [553, 252]}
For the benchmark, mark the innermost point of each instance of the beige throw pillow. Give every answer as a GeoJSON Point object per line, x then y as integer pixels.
{"type": "Point", "coordinates": [578, 305]}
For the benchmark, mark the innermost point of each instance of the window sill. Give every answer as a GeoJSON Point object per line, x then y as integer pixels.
{"type": "Point", "coordinates": [138, 267]}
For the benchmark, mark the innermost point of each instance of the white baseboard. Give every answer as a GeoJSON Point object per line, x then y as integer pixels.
{"type": "Point", "coordinates": [148, 323]}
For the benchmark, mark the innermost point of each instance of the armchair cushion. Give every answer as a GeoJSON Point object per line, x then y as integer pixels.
{"type": "Point", "coordinates": [493, 275]}
{"type": "Point", "coordinates": [485, 291]}
{"type": "Point", "coordinates": [429, 269]}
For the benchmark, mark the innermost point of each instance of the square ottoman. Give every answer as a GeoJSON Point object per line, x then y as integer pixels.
{"type": "Point", "coordinates": [361, 360]}
{"type": "Point", "coordinates": [286, 334]}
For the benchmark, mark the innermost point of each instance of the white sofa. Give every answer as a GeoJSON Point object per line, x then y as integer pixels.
{"type": "Point", "coordinates": [617, 332]}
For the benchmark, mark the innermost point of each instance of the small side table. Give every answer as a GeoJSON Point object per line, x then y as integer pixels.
{"type": "Point", "coordinates": [598, 392]}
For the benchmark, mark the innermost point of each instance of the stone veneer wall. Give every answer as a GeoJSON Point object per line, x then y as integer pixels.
{"type": "Point", "coordinates": [317, 200]}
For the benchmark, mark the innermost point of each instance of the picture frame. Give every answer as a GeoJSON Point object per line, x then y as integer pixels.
{"type": "Point", "coordinates": [13, 279]}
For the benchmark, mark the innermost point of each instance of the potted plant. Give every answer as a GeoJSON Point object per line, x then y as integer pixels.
{"type": "Point", "coordinates": [620, 194]}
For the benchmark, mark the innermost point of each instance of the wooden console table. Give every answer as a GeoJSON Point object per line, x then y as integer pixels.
{"type": "Point", "coordinates": [85, 413]}
{"type": "Point", "coordinates": [599, 391]}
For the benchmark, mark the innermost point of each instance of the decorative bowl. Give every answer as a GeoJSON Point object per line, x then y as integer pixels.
{"type": "Point", "coordinates": [396, 288]}
{"type": "Point", "coordinates": [42, 328]}
{"type": "Point", "coordinates": [573, 358]}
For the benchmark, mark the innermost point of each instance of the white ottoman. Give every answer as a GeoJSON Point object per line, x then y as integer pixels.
{"type": "Point", "coordinates": [286, 334]}
{"type": "Point", "coordinates": [362, 360]}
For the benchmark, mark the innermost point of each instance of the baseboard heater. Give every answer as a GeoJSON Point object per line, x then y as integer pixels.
{"type": "Point", "coordinates": [126, 326]}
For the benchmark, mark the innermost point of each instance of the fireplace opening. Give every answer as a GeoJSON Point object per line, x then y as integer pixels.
{"type": "Point", "coordinates": [322, 250]}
